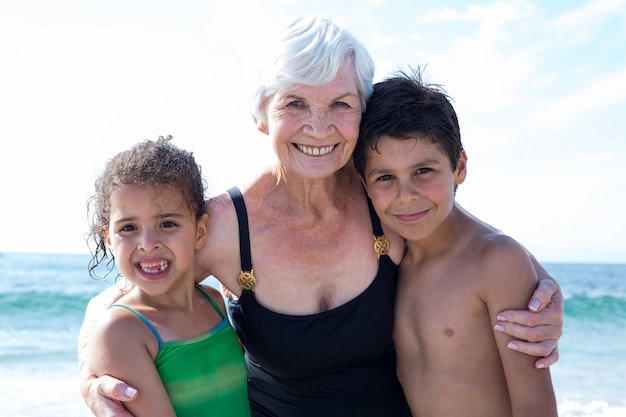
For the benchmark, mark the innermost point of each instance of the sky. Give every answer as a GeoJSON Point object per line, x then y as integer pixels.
{"type": "Point", "coordinates": [539, 88]}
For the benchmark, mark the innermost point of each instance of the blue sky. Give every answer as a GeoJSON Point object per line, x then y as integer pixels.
{"type": "Point", "coordinates": [539, 87]}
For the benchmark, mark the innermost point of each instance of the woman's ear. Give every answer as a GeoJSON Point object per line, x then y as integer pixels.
{"type": "Point", "coordinates": [260, 125]}
{"type": "Point", "coordinates": [364, 185]}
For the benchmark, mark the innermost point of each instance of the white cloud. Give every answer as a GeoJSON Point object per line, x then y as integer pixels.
{"type": "Point", "coordinates": [601, 92]}
{"type": "Point", "coordinates": [381, 40]}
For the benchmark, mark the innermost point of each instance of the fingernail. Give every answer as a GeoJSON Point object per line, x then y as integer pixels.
{"type": "Point", "coordinates": [130, 392]}
{"type": "Point", "coordinates": [512, 346]}
{"type": "Point", "coordinates": [534, 304]}
{"type": "Point", "coordinates": [501, 317]}
{"type": "Point", "coordinates": [541, 366]}
{"type": "Point", "coordinates": [499, 327]}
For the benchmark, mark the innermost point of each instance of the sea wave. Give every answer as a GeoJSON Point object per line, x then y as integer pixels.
{"type": "Point", "coordinates": [601, 308]}
{"type": "Point", "coordinates": [569, 408]}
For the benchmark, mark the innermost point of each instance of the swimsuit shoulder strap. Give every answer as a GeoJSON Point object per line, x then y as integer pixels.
{"type": "Point", "coordinates": [246, 277]}
{"type": "Point", "coordinates": [376, 226]}
{"type": "Point", "coordinates": [212, 301]}
{"type": "Point", "coordinates": [142, 318]}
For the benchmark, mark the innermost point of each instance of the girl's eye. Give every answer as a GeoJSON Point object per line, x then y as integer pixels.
{"type": "Point", "coordinates": [168, 224]}
{"type": "Point", "coordinates": [128, 228]}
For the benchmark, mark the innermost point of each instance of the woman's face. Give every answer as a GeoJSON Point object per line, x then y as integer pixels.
{"type": "Point", "coordinates": [314, 128]}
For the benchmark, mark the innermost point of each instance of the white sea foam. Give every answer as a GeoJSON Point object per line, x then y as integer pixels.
{"type": "Point", "coordinates": [591, 409]}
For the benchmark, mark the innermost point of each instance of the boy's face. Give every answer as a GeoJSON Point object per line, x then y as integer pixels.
{"type": "Point", "coordinates": [411, 184]}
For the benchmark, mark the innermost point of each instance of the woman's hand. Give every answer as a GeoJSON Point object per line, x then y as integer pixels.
{"type": "Point", "coordinates": [105, 396]}
{"type": "Point", "coordinates": [539, 328]}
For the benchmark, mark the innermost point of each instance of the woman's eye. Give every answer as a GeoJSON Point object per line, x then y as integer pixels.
{"type": "Point", "coordinates": [295, 103]}
{"type": "Point", "coordinates": [341, 104]}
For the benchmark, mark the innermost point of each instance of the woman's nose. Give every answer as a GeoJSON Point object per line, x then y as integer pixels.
{"type": "Point", "coordinates": [318, 124]}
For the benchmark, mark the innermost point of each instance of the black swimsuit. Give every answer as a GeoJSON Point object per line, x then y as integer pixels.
{"type": "Point", "coordinates": [339, 362]}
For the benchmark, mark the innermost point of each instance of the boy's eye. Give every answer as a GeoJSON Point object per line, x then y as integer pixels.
{"type": "Point", "coordinates": [385, 177]}
{"type": "Point", "coordinates": [422, 171]}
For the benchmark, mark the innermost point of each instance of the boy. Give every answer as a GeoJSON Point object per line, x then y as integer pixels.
{"type": "Point", "coordinates": [458, 271]}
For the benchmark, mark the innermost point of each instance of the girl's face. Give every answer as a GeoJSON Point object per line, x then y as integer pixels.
{"type": "Point", "coordinates": [314, 128]}
{"type": "Point", "coordinates": [411, 184]}
{"type": "Point", "coordinates": [153, 236]}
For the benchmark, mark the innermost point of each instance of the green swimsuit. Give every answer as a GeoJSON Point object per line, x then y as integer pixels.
{"type": "Point", "coordinates": [204, 375]}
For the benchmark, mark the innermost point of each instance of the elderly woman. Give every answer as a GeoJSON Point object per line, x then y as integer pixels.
{"type": "Point", "coordinates": [310, 270]}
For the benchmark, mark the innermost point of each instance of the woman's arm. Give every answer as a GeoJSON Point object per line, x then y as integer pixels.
{"type": "Point", "coordinates": [537, 330]}
{"type": "Point", "coordinates": [102, 395]}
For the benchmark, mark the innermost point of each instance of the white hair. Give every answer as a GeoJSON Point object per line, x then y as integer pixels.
{"type": "Point", "coordinates": [311, 51]}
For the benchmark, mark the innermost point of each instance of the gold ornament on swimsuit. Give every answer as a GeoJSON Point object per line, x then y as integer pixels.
{"type": "Point", "coordinates": [246, 280]}
{"type": "Point", "coordinates": [381, 245]}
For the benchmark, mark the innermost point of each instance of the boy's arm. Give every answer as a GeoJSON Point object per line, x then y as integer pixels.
{"type": "Point", "coordinates": [102, 395]}
{"type": "Point", "coordinates": [510, 280]}
{"type": "Point", "coordinates": [536, 331]}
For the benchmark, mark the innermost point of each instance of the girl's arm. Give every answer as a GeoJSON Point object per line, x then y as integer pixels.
{"type": "Point", "coordinates": [124, 347]}
{"type": "Point", "coordinates": [94, 389]}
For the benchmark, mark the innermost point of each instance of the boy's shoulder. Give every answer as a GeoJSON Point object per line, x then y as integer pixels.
{"type": "Point", "coordinates": [488, 243]}
{"type": "Point", "coordinates": [498, 247]}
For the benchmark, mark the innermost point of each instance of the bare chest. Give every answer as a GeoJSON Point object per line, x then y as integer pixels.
{"type": "Point", "coordinates": [441, 307]}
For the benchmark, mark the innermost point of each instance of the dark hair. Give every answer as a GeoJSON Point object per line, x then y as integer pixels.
{"type": "Point", "coordinates": [402, 107]}
{"type": "Point", "coordinates": [157, 164]}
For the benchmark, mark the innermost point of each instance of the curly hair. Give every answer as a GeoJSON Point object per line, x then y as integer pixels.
{"type": "Point", "coordinates": [156, 164]}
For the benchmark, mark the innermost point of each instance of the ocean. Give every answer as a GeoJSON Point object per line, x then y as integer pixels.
{"type": "Point", "coordinates": [43, 297]}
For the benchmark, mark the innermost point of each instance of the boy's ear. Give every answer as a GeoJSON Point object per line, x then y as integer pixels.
{"type": "Point", "coordinates": [461, 169]}
{"type": "Point", "coordinates": [202, 229]}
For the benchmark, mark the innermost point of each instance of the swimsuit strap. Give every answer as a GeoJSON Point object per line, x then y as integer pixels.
{"type": "Point", "coordinates": [246, 278]}
{"type": "Point", "coordinates": [151, 326]}
{"type": "Point", "coordinates": [208, 297]}
{"type": "Point", "coordinates": [381, 243]}
{"type": "Point", "coordinates": [144, 319]}
{"type": "Point", "coordinates": [376, 226]}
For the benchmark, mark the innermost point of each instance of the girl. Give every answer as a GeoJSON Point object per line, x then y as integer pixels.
{"type": "Point", "coordinates": [167, 336]}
